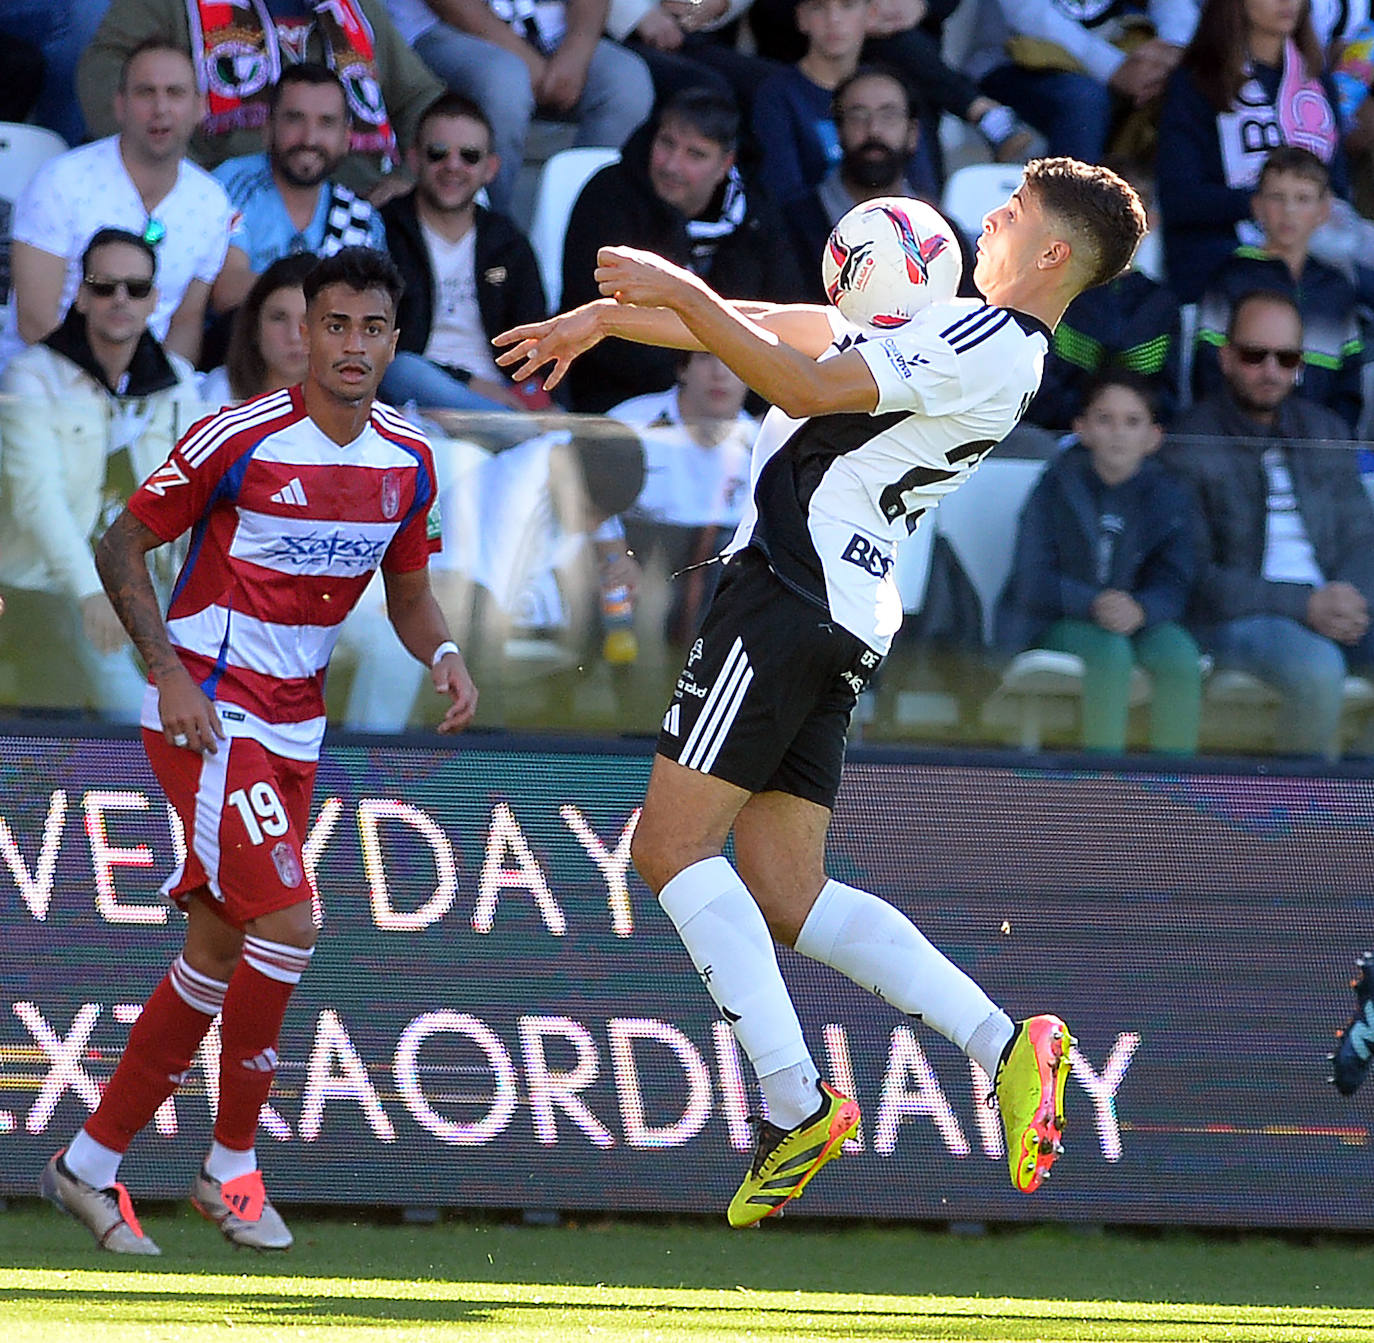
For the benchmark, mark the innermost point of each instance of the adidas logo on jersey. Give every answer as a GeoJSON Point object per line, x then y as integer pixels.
{"type": "Point", "coordinates": [293, 492]}
{"type": "Point", "coordinates": [672, 720]}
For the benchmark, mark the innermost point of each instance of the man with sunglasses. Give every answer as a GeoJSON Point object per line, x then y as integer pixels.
{"type": "Point", "coordinates": [285, 199]}
{"type": "Point", "coordinates": [1286, 537]}
{"type": "Point", "coordinates": [469, 271]}
{"type": "Point", "coordinates": [85, 415]}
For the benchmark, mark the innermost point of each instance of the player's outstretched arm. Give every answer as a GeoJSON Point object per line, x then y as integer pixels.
{"type": "Point", "coordinates": [781, 366]}
{"type": "Point", "coordinates": [560, 339]}
{"type": "Point", "coordinates": [420, 625]}
{"type": "Point", "coordinates": [188, 717]}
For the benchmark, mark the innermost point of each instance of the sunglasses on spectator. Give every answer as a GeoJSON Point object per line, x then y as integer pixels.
{"type": "Point", "coordinates": [1254, 355]}
{"type": "Point", "coordinates": [136, 289]}
{"type": "Point", "coordinates": [468, 153]}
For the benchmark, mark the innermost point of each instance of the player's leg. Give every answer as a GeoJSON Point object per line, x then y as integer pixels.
{"type": "Point", "coordinates": [677, 849]}
{"type": "Point", "coordinates": [229, 1189]}
{"type": "Point", "coordinates": [262, 878]}
{"type": "Point", "coordinates": [84, 1178]}
{"type": "Point", "coordinates": [880, 949]}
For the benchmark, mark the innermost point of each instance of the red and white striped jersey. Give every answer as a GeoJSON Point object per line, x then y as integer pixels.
{"type": "Point", "coordinates": [287, 527]}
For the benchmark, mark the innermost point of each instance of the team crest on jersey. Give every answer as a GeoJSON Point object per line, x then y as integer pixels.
{"type": "Point", "coordinates": [287, 864]}
{"type": "Point", "coordinates": [391, 494]}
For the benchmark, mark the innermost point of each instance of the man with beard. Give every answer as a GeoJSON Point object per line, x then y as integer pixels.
{"type": "Point", "coordinates": [284, 198]}
{"type": "Point", "coordinates": [878, 132]}
{"type": "Point", "coordinates": [1286, 541]}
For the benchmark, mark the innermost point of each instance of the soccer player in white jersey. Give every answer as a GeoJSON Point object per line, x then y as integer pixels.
{"type": "Point", "coordinates": [868, 431]}
{"type": "Point", "coordinates": [292, 500]}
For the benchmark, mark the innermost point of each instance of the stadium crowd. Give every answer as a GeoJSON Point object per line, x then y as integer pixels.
{"type": "Point", "coordinates": [1203, 508]}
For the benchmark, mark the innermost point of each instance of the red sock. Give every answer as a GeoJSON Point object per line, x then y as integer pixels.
{"type": "Point", "coordinates": [253, 1010]}
{"type": "Point", "coordinates": [161, 1045]}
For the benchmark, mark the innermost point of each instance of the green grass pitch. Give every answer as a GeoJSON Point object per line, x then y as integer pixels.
{"type": "Point", "coordinates": [691, 1282]}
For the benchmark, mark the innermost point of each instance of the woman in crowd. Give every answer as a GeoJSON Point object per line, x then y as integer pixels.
{"type": "Point", "coordinates": [1251, 79]}
{"type": "Point", "coordinates": [265, 347]}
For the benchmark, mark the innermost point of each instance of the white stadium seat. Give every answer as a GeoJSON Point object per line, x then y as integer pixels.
{"type": "Point", "coordinates": [560, 182]}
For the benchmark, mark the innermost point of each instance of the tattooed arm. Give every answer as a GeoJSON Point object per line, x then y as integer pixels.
{"type": "Point", "coordinates": [188, 717]}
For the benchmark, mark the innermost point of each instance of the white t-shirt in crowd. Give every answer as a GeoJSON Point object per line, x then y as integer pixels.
{"type": "Point", "coordinates": [1288, 553]}
{"type": "Point", "coordinates": [686, 483]}
{"type": "Point", "coordinates": [88, 188]}
{"type": "Point", "coordinates": [456, 338]}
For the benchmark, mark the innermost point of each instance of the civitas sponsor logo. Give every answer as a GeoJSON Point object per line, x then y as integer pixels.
{"type": "Point", "coordinates": [331, 548]}
{"type": "Point", "coordinates": [905, 364]}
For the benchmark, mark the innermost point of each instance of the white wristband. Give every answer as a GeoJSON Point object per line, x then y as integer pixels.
{"type": "Point", "coordinates": [444, 649]}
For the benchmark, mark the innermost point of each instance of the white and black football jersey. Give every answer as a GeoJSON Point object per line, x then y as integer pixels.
{"type": "Point", "coordinates": [832, 496]}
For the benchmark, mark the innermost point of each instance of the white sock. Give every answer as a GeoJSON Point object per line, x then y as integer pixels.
{"type": "Point", "coordinates": [91, 1161]}
{"type": "Point", "coordinates": [728, 940]}
{"type": "Point", "coordinates": [989, 1040]}
{"type": "Point", "coordinates": [881, 950]}
{"type": "Point", "coordinates": [225, 1164]}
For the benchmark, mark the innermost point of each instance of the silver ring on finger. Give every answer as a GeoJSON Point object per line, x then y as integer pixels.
{"type": "Point", "coordinates": [181, 739]}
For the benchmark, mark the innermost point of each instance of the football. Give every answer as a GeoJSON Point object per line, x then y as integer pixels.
{"type": "Point", "coordinates": [889, 258]}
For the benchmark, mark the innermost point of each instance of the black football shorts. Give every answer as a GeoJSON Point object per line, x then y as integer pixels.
{"type": "Point", "coordinates": [768, 688]}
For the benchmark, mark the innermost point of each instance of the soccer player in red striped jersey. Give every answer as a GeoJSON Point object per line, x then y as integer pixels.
{"type": "Point", "coordinates": [292, 501]}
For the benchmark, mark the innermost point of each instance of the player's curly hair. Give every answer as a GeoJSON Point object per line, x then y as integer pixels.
{"type": "Point", "coordinates": [1101, 210]}
{"type": "Point", "coordinates": [361, 269]}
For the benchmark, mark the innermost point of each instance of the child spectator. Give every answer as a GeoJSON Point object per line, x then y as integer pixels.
{"type": "Point", "coordinates": [1103, 568]}
{"type": "Point", "coordinates": [1291, 202]}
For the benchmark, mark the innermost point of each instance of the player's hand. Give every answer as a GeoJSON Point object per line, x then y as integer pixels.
{"type": "Point", "coordinates": [1117, 612]}
{"type": "Point", "coordinates": [557, 341]}
{"type": "Point", "coordinates": [641, 279]}
{"type": "Point", "coordinates": [102, 627]}
{"type": "Point", "coordinates": [189, 719]}
{"type": "Point", "coordinates": [450, 677]}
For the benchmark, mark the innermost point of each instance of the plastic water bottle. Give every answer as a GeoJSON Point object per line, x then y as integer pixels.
{"type": "Point", "coordinates": [621, 646]}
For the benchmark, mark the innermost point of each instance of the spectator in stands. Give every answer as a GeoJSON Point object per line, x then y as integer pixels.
{"type": "Point", "coordinates": [469, 271]}
{"type": "Point", "coordinates": [878, 132]}
{"type": "Point", "coordinates": [1286, 542]}
{"type": "Point", "coordinates": [284, 200]}
{"type": "Point", "coordinates": [536, 536]}
{"type": "Point", "coordinates": [1067, 68]}
{"type": "Point", "coordinates": [85, 415]}
{"type": "Point", "coordinates": [60, 32]}
{"type": "Point", "coordinates": [1131, 324]}
{"type": "Point", "coordinates": [697, 440]}
{"type": "Point", "coordinates": [1250, 80]}
{"type": "Point", "coordinates": [1291, 202]}
{"type": "Point", "coordinates": [905, 35]}
{"type": "Point", "coordinates": [138, 180]}
{"type": "Point", "coordinates": [517, 59]}
{"type": "Point", "coordinates": [238, 55]}
{"type": "Point", "coordinates": [266, 347]}
{"type": "Point", "coordinates": [691, 44]}
{"type": "Point", "coordinates": [793, 122]}
{"type": "Point", "coordinates": [678, 192]}
{"type": "Point", "coordinates": [1103, 567]}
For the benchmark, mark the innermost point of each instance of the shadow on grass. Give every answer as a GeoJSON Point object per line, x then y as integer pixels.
{"type": "Point", "coordinates": [1044, 1262]}
{"type": "Point", "coordinates": [164, 1309]}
